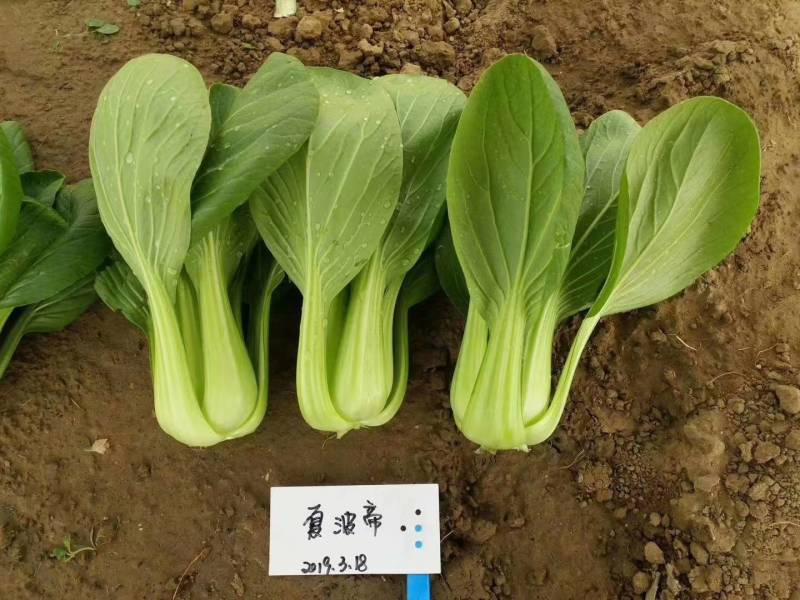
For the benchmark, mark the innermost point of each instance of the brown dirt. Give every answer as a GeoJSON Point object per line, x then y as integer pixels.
{"type": "Point", "coordinates": [676, 460]}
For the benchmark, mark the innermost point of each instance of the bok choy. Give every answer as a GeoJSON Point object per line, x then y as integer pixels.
{"type": "Point", "coordinates": [545, 225]}
{"type": "Point", "coordinates": [51, 243]}
{"type": "Point", "coordinates": [174, 168]}
{"type": "Point", "coordinates": [348, 218]}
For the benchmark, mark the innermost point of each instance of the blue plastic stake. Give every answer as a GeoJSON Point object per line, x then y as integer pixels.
{"type": "Point", "coordinates": [419, 587]}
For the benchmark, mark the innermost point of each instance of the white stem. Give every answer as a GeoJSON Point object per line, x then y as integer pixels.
{"type": "Point", "coordinates": [285, 8]}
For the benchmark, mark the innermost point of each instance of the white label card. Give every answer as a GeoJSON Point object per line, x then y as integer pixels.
{"type": "Point", "coordinates": [354, 530]}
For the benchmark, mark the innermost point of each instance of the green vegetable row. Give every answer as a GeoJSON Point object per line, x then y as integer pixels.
{"type": "Point", "coordinates": [343, 184]}
{"type": "Point", "coordinates": [51, 243]}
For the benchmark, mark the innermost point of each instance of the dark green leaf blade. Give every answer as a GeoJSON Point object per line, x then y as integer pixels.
{"type": "Point", "coordinates": [42, 186]}
{"type": "Point", "coordinates": [605, 149]}
{"type": "Point", "coordinates": [515, 185]}
{"type": "Point", "coordinates": [10, 193]}
{"type": "Point", "coordinates": [56, 313]}
{"type": "Point", "coordinates": [72, 255]}
{"type": "Point", "coordinates": [451, 277]}
{"type": "Point", "coordinates": [688, 196]}
{"type": "Point", "coordinates": [39, 226]}
{"type": "Point", "coordinates": [261, 126]}
{"type": "Point", "coordinates": [23, 157]}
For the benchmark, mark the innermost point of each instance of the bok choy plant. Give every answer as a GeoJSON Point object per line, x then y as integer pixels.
{"type": "Point", "coordinates": [348, 218]}
{"type": "Point", "coordinates": [51, 243]}
{"type": "Point", "coordinates": [174, 168]}
{"type": "Point", "coordinates": [545, 225]}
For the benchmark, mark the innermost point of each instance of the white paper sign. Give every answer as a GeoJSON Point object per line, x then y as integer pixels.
{"type": "Point", "coordinates": [354, 530]}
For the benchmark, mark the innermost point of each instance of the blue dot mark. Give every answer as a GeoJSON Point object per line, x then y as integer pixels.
{"type": "Point", "coordinates": [418, 528]}
{"type": "Point", "coordinates": [418, 544]}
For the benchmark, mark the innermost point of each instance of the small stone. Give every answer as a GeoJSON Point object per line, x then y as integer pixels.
{"type": "Point", "coordinates": [765, 452]}
{"type": "Point", "coordinates": [370, 49]}
{"type": "Point", "coordinates": [464, 7]}
{"type": "Point", "coordinates": [543, 42]}
{"type": "Point", "coordinates": [349, 58]}
{"type": "Point", "coordinates": [363, 30]}
{"type": "Point", "coordinates": [436, 33]}
{"type": "Point", "coordinates": [311, 57]}
{"type": "Point", "coordinates": [250, 22]}
{"type": "Point", "coordinates": [746, 451]}
{"type": "Point", "coordinates": [436, 54]}
{"type": "Point", "coordinates": [282, 28]}
{"type": "Point", "coordinates": [309, 28]}
{"type": "Point", "coordinates": [706, 483]}
{"type": "Point", "coordinates": [178, 27]}
{"type": "Point", "coordinates": [758, 491]}
{"type": "Point", "coordinates": [655, 519]}
{"type": "Point", "coordinates": [737, 405]}
{"type": "Point", "coordinates": [196, 27]}
{"type": "Point", "coordinates": [793, 439]}
{"type": "Point", "coordinates": [640, 582]}
{"type": "Point", "coordinates": [411, 69]}
{"type": "Point", "coordinates": [788, 397]}
{"type": "Point", "coordinates": [190, 5]}
{"type": "Point", "coordinates": [699, 553]}
{"type": "Point", "coordinates": [274, 44]}
{"type": "Point", "coordinates": [452, 25]}
{"type": "Point", "coordinates": [706, 579]}
{"type": "Point", "coordinates": [222, 23]}
{"type": "Point", "coordinates": [653, 554]}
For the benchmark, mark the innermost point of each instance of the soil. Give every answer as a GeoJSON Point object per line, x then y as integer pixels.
{"type": "Point", "coordinates": [675, 472]}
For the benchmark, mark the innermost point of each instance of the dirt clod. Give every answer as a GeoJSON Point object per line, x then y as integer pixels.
{"type": "Point", "coordinates": [653, 554]}
{"type": "Point", "coordinates": [640, 582]}
{"type": "Point", "coordinates": [250, 21]}
{"type": "Point", "coordinates": [788, 397]}
{"type": "Point", "coordinates": [543, 42]}
{"type": "Point", "coordinates": [765, 452]}
{"type": "Point", "coordinates": [222, 23]}
{"type": "Point", "coordinates": [309, 28]}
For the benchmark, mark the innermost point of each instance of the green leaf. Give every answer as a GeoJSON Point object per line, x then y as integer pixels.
{"type": "Point", "coordinates": [75, 253]}
{"type": "Point", "coordinates": [57, 312]}
{"type": "Point", "coordinates": [688, 195]}
{"type": "Point", "coordinates": [108, 29]}
{"type": "Point", "coordinates": [47, 316]}
{"type": "Point", "coordinates": [134, 3]}
{"type": "Point", "coordinates": [264, 275]}
{"type": "Point", "coordinates": [119, 289]}
{"type": "Point", "coordinates": [95, 23]}
{"type": "Point", "coordinates": [323, 212]}
{"type": "Point", "coordinates": [514, 186]}
{"type": "Point", "coordinates": [451, 276]}
{"type": "Point", "coordinates": [605, 149]}
{"type": "Point", "coordinates": [255, 131]}
{"type": "Point", "coordinates": [23, 157]}
{"type": "Point", "coordinates": [10, 193]}
{"type": "Point", "coordinates": [42, 186]}
{"type": "Point", "coordinates": [428, 110]}
{"type": "Point", "coordinates": [421, 282]}
{"type": "Point", "coordinates": [38, 227]}
{"type": "Point", "coordinates": [148, 138]}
